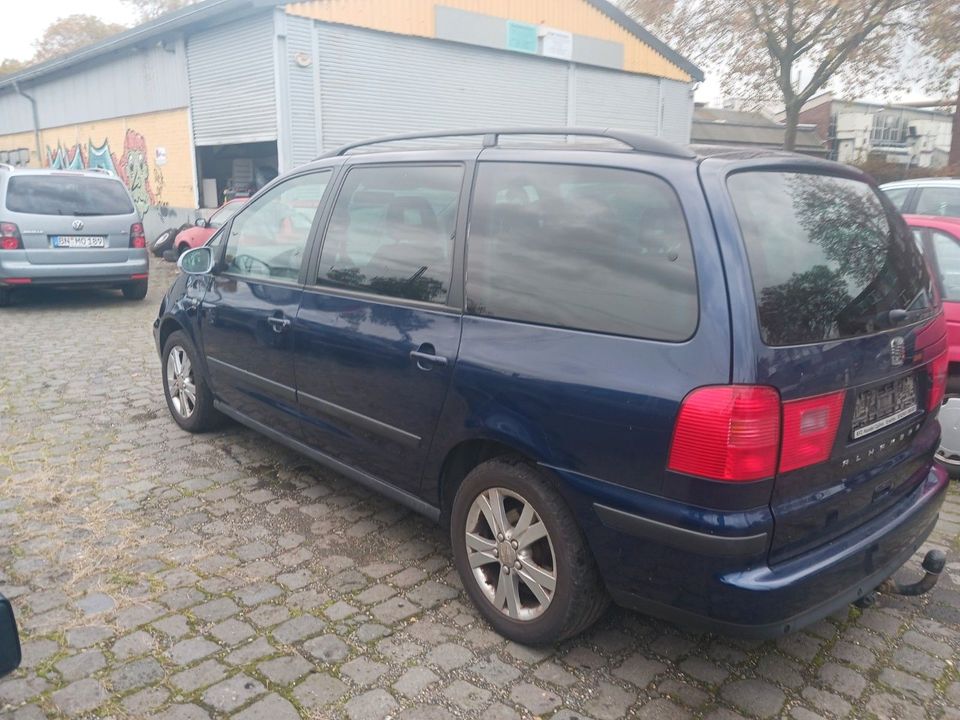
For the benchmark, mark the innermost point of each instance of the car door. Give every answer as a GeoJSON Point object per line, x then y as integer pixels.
{"type": "Point", "coordinates": [247, 313]}
{"type": "Point", "coordinates": [940, 200]}
{"type": "Point", "coordinates": [377, 335]}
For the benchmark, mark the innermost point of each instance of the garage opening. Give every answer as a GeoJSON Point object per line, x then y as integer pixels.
{"type": "Point", "coordinates": [233, 171]}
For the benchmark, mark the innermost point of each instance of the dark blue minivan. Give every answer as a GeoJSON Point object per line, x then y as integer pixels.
{"type": "Point", "coordinates": [702, 382]}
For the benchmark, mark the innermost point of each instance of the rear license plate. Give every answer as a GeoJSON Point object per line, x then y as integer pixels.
{"type": "Point", "coordinates": [78, 241]}
{"type": "Point", "coordinates": [881, 407]}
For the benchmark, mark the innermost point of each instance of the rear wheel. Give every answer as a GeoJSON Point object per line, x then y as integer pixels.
{"type": "Point", "coordinates": [136, 290]}
{"type": "Point", "coordinates": [163, 241]}
{"type": "Point", "coordinates": [182, 249]}
{"type": "Point", "coordinates": [188, 396]}
{"type": "Point", "coordinates": [521, 555]}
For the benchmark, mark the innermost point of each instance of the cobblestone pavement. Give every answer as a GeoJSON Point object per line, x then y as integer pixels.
{"type": "Point", "coordinates": [158, 574]}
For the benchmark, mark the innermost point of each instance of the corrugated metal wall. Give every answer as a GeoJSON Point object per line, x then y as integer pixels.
{"type": "Point", "coordinates": [146, 81]}
{"type": "Point", "coordinates": [605, 98]}
{"type": "Point", "coordinates": [677, 110]}
{"type": "Point", "coordinates": [303, 84]}
{"type": "Point", "coordinates": [231, 71]}
{"type": "Point", "coordinates": [376, 84]}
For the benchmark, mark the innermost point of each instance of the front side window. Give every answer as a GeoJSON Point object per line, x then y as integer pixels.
{"type": "Point", "coordinates": [942, 201]}
{"type": "Point", "coordinates": [67, 195]}
{"type": "Point", "coordinates": [587, 248]}
{"type": "Point", "coordinates": [392, 231]}
{"type": "Point", "coordinates": [826, 260]}
{"type": "Point", "coordinates": [947, 251]}
{"type": "Point", "coordinates": [220, 217]}
{"type": "Point", "coordinates": [268, 239]}
{"type": "Point", "coordinates": [898, 196]}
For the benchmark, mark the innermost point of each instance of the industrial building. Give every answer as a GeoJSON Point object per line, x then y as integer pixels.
{"type": "Point", "coordinates": [213, 100]}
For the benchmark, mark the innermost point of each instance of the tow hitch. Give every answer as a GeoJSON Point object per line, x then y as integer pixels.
{"type": "Point", "coordinates": [933, 564]}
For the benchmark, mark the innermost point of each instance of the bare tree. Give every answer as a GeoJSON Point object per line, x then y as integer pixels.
{"type": "Point", "coordinates": [9, 66]}
{"type": "Point", "coordinates": [761, 44]}
{"type": "Point", "coordinates": [70, 33]}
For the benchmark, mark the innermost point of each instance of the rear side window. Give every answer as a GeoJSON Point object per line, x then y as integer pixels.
{"type": "Point", "coordinates": [588, 248]}
{"type": "Point", "coordinates": [942, 201]}
{"type": "Point", "coordinates": [67, 195]}
{"type": "Point", "coordinates": [826, 261]}
{"type": "Point", "coordinates": [947, 251]}
{"type": "Point", "coordinates": [898, 196]}
{"type": "Point", "coordinates": [392, 231]}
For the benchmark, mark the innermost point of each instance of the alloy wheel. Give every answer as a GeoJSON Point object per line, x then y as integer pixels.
{"type": "Point", "coordinates": [511, 554]}
{"type": "Point", "coordinates": [181, 387]}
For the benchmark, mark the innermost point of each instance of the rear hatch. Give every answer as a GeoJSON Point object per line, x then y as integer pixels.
{"type": "Point", "coordinates": [71, 218]}
{"type": "Point", "coordinates": [852, 336]}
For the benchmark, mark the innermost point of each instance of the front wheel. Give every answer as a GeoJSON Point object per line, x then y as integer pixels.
{"type": "Point", "coordinates": [521, 555]}
{"type": "Point", "coordinates": [188, 397]}
{"type": "Point", "coordinates": [136, 290]}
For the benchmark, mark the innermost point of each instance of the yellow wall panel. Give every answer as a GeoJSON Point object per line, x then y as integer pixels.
{"type": "Point", "coordinates": [127, 146]}
{"type": "Point", "coordinates": [416, 17]}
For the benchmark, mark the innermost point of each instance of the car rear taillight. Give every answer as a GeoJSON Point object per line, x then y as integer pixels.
{"type": "Point", "coordinates": [938, 381]}
{"type": "Point", "coordinates": [137, 238]}
{"type": "Point", "coordinates": [727, 432]}
{"type": "Point", "coordinates": [10, 237]}
{"type": "Point", "coordinates": [809, 430]}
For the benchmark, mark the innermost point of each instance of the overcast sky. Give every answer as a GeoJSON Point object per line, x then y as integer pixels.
{"type": "Point", "coordinates": [25, 21]}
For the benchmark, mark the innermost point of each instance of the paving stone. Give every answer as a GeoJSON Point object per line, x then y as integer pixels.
{"type": "Point", "coordinates": [285, 670]}
{"type": "Point", "coordinates": [467, 696]}
{"type": "Point", "coordinates": [136, 674]}
{"type": "Point", "coordinates": [534, 699]}
{"type": "Point", "coordinates": [84, 637]}
{"type": "Point", "coordinates": [920, 663]}
{"type": "Point", "coordinates": [371, 705]}
{"type": "Point", "coordinates": [449, 656]}
{"type": "Point", "coordinates": [80, 697]}
{"type": "Point", "coordinates": [176, 626]}
{"type": "Point", "coordinates": [394, 610]}
{"type": "Point", "coordinates": [340, 610]}
{"type": "Point", "coordinates": [267, 616]}
{"type": "Point", "coordinates": [216, 610]}
{"type": "Point", "coordinates": [609, 702]}
{"type": "Point", "coordinates": [252, 650]}
{"type": "Point", "coordinates": [132, 645]}
{"type": "Point", "coordinates": [96, 603]}
{"type": "Point", "coordinates": [414, 681]}
{"type": "Point", "coordinates": [494, 671]}
{"type": "Point", "coordinates": [232, 631]}
{"type": "Point", "coordinates": [663, 709]}
{"type": "Point", "coordinates": [319, 690]}
{"type": "Point", "coordinates": [886, 705]}
{"type": "Point", "coordinates": [327, 648]}
{"type": "Point", "coordinates": [843, 680]}
{"type": "Point", "coordinates": [272, 707]}
{"type": "Point", "coordinates": [231, 693]}
{"type": "Point", "coordinates": [755, 697]}
{"type": "Point", "coordinates": [206, 673]}
{"type": "Point", "coordinates": [81, 665]}
{"type": "Point", "coordinates": [192, 649]}
{"type": "Point", "coordinates": [907, 684]}
{"type": "Point", "coordinates": [183, 712]}
{"type": "Point", "coordinates": [363, 671]}
{"type": "Point", "coordinates": [298, 628]}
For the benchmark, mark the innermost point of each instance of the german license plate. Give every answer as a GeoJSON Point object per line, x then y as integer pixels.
{"type": "Point", "coordinates": [881, 407]}
{"type": "Point", "coordinates": [79, 241]}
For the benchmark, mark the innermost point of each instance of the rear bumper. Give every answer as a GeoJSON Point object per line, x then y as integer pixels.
{"type": "Point", "coordinates": [11, 268]}
{"type": "Point", "coordinates": [724, 584]}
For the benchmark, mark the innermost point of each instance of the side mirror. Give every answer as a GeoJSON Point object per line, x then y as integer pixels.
{"type": "Point", "coordinates": [201, 222]}
{"type": "Point", "coordinates": [9, 639]}
{"type": "Point", "coordinates": [198, 261]}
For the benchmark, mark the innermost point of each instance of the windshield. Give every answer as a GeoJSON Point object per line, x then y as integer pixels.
{"type": "Point", "coordinates": [67, 195]}
{"type": "Point", "coordinates": [826, 261]}
{"type": "Point", "coordinates": [224, 213]}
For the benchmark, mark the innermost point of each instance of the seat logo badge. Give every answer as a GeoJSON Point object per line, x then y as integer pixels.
{"type": "Point", "coordinates": [78, 224]}
{"type": "Point", "coordinates": [897, 352]}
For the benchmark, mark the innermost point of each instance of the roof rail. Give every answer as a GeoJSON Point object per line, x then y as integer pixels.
{"type": "Point", "coordinates": [491, 138]}
{"type": "Point", "coordinates": [7, 166]}
{"type": "Point", "coordinates": [102, 171]}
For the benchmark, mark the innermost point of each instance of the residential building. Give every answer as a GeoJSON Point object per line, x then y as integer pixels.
{"type": "Point", "coordinates": [724, 126]}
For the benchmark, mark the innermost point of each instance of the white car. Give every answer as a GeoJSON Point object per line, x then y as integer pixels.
{"type": "Point", "coordinates": [925, 196]}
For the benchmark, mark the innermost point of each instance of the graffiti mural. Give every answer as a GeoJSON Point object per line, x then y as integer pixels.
{"type": "Point", "coordinates": [132, 166]}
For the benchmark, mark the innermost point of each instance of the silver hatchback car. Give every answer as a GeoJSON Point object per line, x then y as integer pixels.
{"type": "Point", "coordinates": [69, 227]}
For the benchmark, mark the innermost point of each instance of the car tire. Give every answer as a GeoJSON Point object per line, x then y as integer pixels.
{"type": "Point", "coordinates": [200, 415]}
{"type": "Point", "coordinates": [163, 241]}
{"type": "Point", "coordinates": [181, 249]}
{"type": "Point", "coordinates": [559, 555]}
{"type": "Point", "coordinates": [136, 290]}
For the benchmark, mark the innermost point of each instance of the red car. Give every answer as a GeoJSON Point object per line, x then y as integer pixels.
{"type": "Point", "coordinates": [939, 237]}
{"type": "Point", "coordinates": [204, 229]}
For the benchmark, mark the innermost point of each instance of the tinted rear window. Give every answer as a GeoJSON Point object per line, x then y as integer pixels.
{"type": "Point", "coordinates": [826, 261]}
{"type": "Point", "coordinates": [581, 247]}
{"type": "Point", "coordinates": [67, 195]}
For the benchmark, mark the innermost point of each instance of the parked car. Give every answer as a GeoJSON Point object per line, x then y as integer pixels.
{"type": "Point", "coordinates": [69, 228]}
{"type": "Point", "coordinates": [940, 240]}
{"type": "Point", "coordinates": [203, 229]}
{"type": "Point", "coordinates": [703, 382]}
{"type": "Point", "coordinates": [164, 240]}
{"type": "Point", "coordinates": [939, 196]}
{"type": "Point", "coordinates": [10, 655]}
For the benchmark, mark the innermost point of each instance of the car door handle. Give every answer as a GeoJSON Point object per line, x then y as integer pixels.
{"type": "Point", "coordinates": [426, 357]}
{"type": "Point", "coordinates": [279, 324]}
